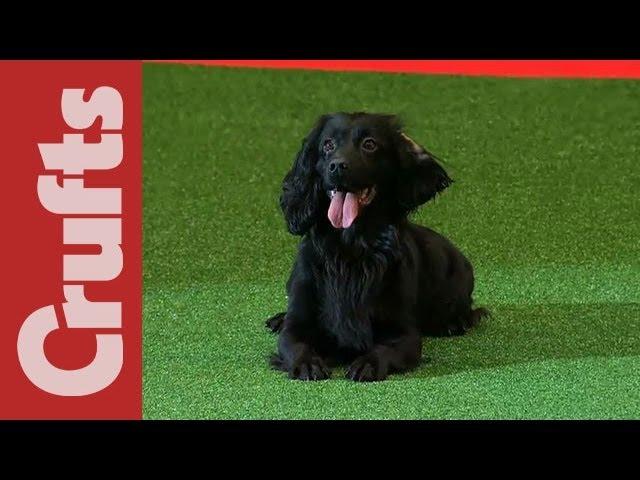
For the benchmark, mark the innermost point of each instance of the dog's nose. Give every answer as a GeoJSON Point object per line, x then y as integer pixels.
{"type": "Point", "coordinates": [337, 165]}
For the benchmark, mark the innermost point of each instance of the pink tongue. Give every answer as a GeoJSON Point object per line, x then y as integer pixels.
{"type": "Point", "coordinates": [335, 210]}
{"type": "Point", "coordinates": [343, 211]}
{"type": "Point", "coordinates": [350, 210]}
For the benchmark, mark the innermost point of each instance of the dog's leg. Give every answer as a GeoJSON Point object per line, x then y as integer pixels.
{"type": "Point", "coordinates": [299, 338]}
{"type": "Point", "coordinates": [297, 357]}
{"type": "Point", "coordinates": [395, 354]}
{"type": "Point", "coordinates": [275, 323]}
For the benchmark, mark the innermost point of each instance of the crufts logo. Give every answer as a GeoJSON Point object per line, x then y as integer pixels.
{"type": "Point", "coordinates": [73, 156]}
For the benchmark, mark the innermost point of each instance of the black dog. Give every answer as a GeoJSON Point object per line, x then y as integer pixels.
{"type": "Point", "coordinates": [367, 283]}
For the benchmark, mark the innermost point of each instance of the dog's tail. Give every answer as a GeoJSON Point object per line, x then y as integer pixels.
{"type": "Point", "coordinates": [470, 320]}
{"type": "Point", "coordinates": [457, 324]}
{"type": "Point", "coordinates": [477, 314]}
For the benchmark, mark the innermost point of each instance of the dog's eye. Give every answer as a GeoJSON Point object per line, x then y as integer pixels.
{"type": "Point", "coordinates": [329, 145]}
{"type": "Point", "coordinates": [369, 145]}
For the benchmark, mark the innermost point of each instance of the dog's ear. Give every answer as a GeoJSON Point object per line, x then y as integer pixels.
{"type": "Point", "coordinates": [421, 177]}
{"type": "Point", "coordinates": [301, 187]}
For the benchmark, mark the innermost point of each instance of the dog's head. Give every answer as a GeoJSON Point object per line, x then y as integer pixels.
{"type": "Point", "coordinates": [351, 164]}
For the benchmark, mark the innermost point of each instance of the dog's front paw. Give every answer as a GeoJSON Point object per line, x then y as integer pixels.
{"type": "Point", "coordinates": [275, 323]}
{"type": "Point", "coordinates": [367, 368]}
{"type": "Point", "coordinates": [309, 368]}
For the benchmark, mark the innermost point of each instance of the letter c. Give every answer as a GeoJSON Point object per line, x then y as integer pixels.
{"type": "Point", "coordinates": [96, 376]}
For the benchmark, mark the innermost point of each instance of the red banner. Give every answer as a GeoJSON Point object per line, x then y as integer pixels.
{"type": "Point", "coordinates": [71, 329]}
{"type": "Point", "coordinates": [492, 68]}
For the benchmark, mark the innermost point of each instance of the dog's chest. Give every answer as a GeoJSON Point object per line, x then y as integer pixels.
{"type": "Point", "coordinates": [351, 273]}
{"type": "Point", "coordinates": [346, 310]}
{"type": "Point", "coordinates": [350, 294]}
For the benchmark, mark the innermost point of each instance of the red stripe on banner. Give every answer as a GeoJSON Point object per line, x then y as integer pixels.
{"type": "Point", "coordinates": [70, 335]}
{"type": "Point", "coordinates": [497, 68]}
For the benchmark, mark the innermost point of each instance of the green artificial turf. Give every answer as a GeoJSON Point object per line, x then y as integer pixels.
{"type": "Point", "coordinates": [545, 205]}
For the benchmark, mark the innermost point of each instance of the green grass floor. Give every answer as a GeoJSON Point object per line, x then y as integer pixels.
{"type": "Point", "coordinates": [546, 205]}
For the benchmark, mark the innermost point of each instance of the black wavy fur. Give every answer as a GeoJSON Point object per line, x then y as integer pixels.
{"type": "Point", "coordinates": [366, 294]}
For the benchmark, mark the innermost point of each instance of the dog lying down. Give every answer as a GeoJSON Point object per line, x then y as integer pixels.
{"type": "Point", "coordinates": [367, 283]}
